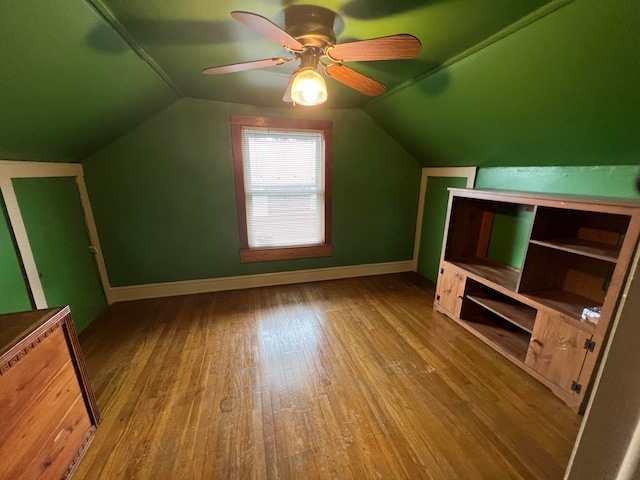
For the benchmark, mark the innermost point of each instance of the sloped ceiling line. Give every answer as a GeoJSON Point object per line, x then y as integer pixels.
{"type": "Point", "coordinates": [108, 16]}
{"type": "Point", "coordinates": [505, 32]}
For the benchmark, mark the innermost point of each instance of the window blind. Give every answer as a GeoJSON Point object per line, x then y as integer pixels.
{"type": "Point", "coordinates": [284, 187]}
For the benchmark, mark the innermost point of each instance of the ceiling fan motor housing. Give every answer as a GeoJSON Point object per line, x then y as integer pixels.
{"type": "Point", "coordinates": [311, 25]}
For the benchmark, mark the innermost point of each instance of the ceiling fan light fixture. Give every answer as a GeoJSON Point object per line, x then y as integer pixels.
{"type": "Point", "coordinates": [308, 87]}
{"type": "Point", "coordinates": [310, 36]}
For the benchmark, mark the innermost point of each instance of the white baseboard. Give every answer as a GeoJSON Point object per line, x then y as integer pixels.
{"type": "Point", "coordinates": [169, 289]}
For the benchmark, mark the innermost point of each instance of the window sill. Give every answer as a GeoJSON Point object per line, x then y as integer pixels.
{"type": "Point", "coordinates": [284, 253]}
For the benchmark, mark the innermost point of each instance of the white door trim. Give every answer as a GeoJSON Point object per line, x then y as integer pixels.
{"type": "Point", "coordinates": [15, 169]}
{"type": "Point", "coordinates": [24, 247]}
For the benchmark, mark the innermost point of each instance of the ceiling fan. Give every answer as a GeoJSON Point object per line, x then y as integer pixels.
{"type": "Point", "coordinates": [310, 37]}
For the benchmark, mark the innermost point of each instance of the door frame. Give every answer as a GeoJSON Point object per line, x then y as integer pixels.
{"type": "Point", "coordinates": [15, 169]}
{"type": "Point", "coordinates": [460, 172]}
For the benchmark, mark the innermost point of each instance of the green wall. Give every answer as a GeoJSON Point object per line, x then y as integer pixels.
{"type": "Point", "coordinates": [560, 91]}
{"type": "Point", "coordinates": [69, 83]}
{"type": "Point", "coordinates": [13, 291]}
{"type": "Point", "coordinates": [164, 199]}
{"type": "Point", "coordinates": [606, 181]}
{"type": "Point", "coordinates": [509, 237]}
{"type": "Point", "coordinates": [551, 107]}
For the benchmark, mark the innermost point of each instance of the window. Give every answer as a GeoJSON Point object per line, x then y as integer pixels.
{"type": "Point", "coordinates": [283, 187]}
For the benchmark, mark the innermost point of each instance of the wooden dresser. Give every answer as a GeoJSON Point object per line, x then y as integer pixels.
{"type": "Point", "coordinates": [48, 413]}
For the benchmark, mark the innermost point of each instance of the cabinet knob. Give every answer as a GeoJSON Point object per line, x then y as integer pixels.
{"type": "Point", "coordinates": [535, 340]}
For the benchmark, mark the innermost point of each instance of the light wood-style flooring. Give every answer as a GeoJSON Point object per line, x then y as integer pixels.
{"type": "Point", "coordinates": [346, 379]}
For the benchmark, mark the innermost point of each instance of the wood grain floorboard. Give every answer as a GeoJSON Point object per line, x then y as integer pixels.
{"type": "Point", "coordinates": [345, 379]}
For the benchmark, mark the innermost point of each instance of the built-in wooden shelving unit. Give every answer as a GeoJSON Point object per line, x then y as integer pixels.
{"type": "Point", "coordinates": [529, 306]}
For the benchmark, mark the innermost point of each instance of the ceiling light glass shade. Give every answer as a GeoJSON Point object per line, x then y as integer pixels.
{"type": "Point", "coordinates": [308, 88]}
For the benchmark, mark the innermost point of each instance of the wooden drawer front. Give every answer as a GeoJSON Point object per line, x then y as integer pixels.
{"type": "Point", "coordinates": [48, 418]}
{"type": "Point", "coordinates": [557, 350]}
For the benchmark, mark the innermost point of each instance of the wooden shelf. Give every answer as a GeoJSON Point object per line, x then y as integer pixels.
{"type": "Point", "coordinates": [601, 251]}
{"type": "Point", "coordinates": [518, 314]}
{"type": "Point", "coordinates": [514, 341]}
{"type": "Point", "coordinates": [564, 302]}
{"type": "Point", "coordinates": [494, 272]}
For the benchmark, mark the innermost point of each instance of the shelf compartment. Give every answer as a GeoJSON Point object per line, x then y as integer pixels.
{"type": "Point", "coordinates": [512, 311]}
{"type": "Point", "coordinates": [592, 234]}
{"type": "Point", "coordinates": [567, 303]}
{"type": "Point", "coordinates": [494, 231]}
{"type": "Point", "coordinates": [495, 330]}
{"type": "Point", "coordinates": [497, 273]}
{"type": "Point", "coordinates": [577, 277]}
{"type": "Point", "coordinates": [587, 248]}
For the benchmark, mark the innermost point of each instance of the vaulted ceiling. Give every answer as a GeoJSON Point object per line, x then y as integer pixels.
{"type": "Point", "coordinates": [76, 74]}
{"type": "Point", "coordinates": [182, 38]}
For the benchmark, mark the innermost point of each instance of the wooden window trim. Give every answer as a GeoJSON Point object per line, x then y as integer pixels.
{"type": "Point", "coordinates": [248, 254]}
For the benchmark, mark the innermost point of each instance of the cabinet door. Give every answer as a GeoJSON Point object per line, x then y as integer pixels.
{"type": "Point", "coordinates": [556, 350]}
{"type": "Point", "coordinates": [450, 290]}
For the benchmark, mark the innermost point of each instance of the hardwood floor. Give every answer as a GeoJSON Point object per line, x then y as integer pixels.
{"type": "Point", "coordinates": [344, 379]}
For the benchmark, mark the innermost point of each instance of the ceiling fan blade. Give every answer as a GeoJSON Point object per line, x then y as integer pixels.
{"type": "Point", "coordinates": [393, 47]}
{"type": "Point", "coordinates": [287, 92]}
{"type": "Point", "coordinates": [238, 67]}
{"type": "Point", "coordinates": [266, 27]}
{"type": "Point", "coordinates": [355, 80]}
